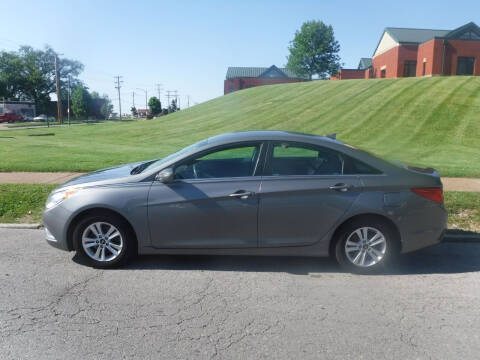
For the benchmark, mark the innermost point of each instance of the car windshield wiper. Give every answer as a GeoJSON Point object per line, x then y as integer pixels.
{"type": "Point", "coordinates": [139, 168]}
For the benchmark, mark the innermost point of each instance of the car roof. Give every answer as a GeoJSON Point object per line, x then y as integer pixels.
{"type": "Point", "coordinates": [269, 135]}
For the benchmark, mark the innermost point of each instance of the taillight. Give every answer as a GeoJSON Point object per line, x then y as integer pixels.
{"type": "Point", "coordinates": [435, 194]}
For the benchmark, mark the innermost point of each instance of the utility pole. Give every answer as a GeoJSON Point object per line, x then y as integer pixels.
{"type": "Point", "coordinates": [133, 98]}
{"type": "Point", "coordinates": [118, 83]}
{"type": "Point", "coordinates": [159, 89]}
{"type": "Point", "coordinates": [171, 94]}
{"type": "Point", "coordinates": [59, 99]}
{"type": "Point", "coordinates": [188, 100]}
{"type": "Point", "coordinates": [68, 100]}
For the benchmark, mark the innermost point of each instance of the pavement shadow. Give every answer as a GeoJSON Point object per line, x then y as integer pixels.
{"type": "Point", "coordinates": [445, 258]}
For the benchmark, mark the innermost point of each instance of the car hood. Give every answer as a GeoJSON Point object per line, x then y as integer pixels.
{"type": "Point", "coordinates": [104, 176]}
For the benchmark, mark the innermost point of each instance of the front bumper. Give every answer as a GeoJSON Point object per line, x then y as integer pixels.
{"type": "Point", "coordinates": [56, 222]}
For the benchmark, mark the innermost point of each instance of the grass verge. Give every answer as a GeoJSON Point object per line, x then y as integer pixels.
{"type": "Point", "coordinates": [463, 210]}
{"type": "Point", "coordinates": [24, 203]}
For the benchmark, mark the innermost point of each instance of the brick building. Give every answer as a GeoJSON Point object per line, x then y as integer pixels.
{"type": "Point", "coordinates": [246, 77]}
{"type": "Point", "coordinates": [404, 52]}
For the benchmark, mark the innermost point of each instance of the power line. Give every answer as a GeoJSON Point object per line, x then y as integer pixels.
{"type": "Point", "coordinates": [118, 83]}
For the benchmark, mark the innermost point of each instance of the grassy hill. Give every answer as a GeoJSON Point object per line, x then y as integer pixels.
{"type": "Point", "coordinates": [425, 121]}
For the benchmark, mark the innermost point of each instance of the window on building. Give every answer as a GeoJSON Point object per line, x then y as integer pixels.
{"type": "Point", "coordinates": [383, 73]}
{"type": "Point", "coordinates": [231, 89]}
{"type": "Point", "coordinates": [465, 65]}
{"type": "Point", "coordinates": [409, 68]}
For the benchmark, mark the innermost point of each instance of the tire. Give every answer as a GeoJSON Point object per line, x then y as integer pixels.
{"type": "Point", "coordinates": [378, 254]}
{"type": "Point", "coordinates": [104, 241]}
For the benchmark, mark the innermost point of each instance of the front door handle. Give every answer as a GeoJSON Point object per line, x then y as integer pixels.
{"type": "Point", "coordinates": [242, 194]}
{"type": "Point", "coordinates": [340, 187]}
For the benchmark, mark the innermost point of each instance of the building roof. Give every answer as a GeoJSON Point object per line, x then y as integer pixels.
{"type": "Point", "coordinates": [272, 71]}
{"type": "Point", "coordinates": [365, 63]}
{"type": "Point", "coordinates": [468, 31]}
{"type": "Point", "coordinates": [406, 35]}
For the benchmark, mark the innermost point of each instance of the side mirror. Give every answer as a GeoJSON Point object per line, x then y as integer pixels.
{"type": "Point", "coordinates": [165, 176]}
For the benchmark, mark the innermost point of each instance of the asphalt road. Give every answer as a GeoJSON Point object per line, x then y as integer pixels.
{"type": "Point", "coordinates": [53, 307]}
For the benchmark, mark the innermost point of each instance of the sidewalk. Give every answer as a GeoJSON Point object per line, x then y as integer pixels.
{"type": "Point", "coordinates": [449, 184]}
{"type": "Point", "coordinates": [36, 177]}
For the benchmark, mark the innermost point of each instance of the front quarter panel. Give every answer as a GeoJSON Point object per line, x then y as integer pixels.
{"type": "Point", "coordinates": [129, 200]}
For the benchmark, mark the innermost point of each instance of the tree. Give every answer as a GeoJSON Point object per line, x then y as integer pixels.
{"type": "Point", "coordinates": [173, 106]}
{"type": "Point", "coordinates": [81, 101]}
{"type": "Point", "coordinates": [107, 107]}
{"type": "Point", "coordinates": [134, 111]}
{"type": "Point", "coordinates": [154, 105]}
{"type": "Point", "coordinates": [314, 51]}
{"type": "Point", "coordinates": [29, 74]}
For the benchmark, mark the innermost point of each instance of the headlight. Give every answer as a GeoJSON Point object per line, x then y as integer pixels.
{"type": "Point", "coordinates": [56, 198]}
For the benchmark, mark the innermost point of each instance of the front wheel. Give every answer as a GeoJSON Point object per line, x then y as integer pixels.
{"type": "Point", "coordinates": [104, 241]}
{"type": "Point", "coordinates": [366, 246]}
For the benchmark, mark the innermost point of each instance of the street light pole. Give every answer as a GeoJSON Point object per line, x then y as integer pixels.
{"type": "Point", "coordinates": [68, 101]}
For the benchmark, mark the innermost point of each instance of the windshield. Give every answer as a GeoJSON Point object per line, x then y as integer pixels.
{"type": "Point", "coordinates": [176, 154]}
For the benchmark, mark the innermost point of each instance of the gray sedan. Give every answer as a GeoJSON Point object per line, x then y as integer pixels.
{"type": "Point", "coordinates": [251, 193]}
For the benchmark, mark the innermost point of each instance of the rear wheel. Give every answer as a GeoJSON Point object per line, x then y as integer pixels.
{"type": "Point", "coordinates": [104, 241]}
{"type": "Point", "coordinates": [366, 246]}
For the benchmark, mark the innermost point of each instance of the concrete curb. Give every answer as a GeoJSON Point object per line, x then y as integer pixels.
{"type": "Point", "coordinates": [461, 238]}
{"type": "Point", "coordinates": [21, 226]}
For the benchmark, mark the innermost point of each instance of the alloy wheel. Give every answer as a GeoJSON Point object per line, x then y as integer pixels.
{"type": "Point", "coordinates": [365, 246]}
{"type": "Point", "coordinates": [102, 241]}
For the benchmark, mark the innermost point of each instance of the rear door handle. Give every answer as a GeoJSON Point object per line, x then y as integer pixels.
{"type": "Point", "coordinates": [242, 194]}
{"type": "Point", "coordinates": [340, 187]}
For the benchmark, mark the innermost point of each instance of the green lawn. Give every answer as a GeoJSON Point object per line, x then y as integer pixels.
{"type": "Point", "coordinates": [463, 210]}
{"type": "Point", "coordinates": [24, 203]}
{"type": "Point", "coordinates": [424, 121]}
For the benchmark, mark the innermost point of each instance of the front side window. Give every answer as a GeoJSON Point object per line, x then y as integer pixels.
{"type": "Point", "coordinates": [303, 159]}
{"type": "Point", "coordinates": [238, 161]}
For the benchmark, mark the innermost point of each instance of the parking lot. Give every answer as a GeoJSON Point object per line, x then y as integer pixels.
{"type": "Point", "coordinates": [52, 306]}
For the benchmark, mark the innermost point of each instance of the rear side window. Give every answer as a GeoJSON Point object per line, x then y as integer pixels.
{"type": "Point", "coordinates": [356, 167]}
{"type": "Point", "coordinates": [303, 159]}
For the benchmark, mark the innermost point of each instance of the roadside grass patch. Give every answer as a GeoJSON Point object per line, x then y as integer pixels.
{"type": "Point", "coordinates": [463, 210]}
{"type": "Point", "coordinates": [23, 203]}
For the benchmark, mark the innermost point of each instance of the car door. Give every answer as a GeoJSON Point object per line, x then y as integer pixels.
{"type": "Point", "coordinates": [212, 202]}
{"type": "Point", "coordinates": [304, 194]}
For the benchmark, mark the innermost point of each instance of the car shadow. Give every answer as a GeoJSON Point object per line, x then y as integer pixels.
{"type": "Point", "coordinates": [445, 258]}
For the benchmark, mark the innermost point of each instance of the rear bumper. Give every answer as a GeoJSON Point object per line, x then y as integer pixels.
{"type": "Point", "coordinates": [427, 232]}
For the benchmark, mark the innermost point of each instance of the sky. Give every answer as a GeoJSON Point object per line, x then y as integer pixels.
{"type": "Point", "coordinates": [188, 45]}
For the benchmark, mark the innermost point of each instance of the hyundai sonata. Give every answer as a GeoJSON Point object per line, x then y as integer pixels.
{"type": "Point", "coordinates": [251, 193]}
